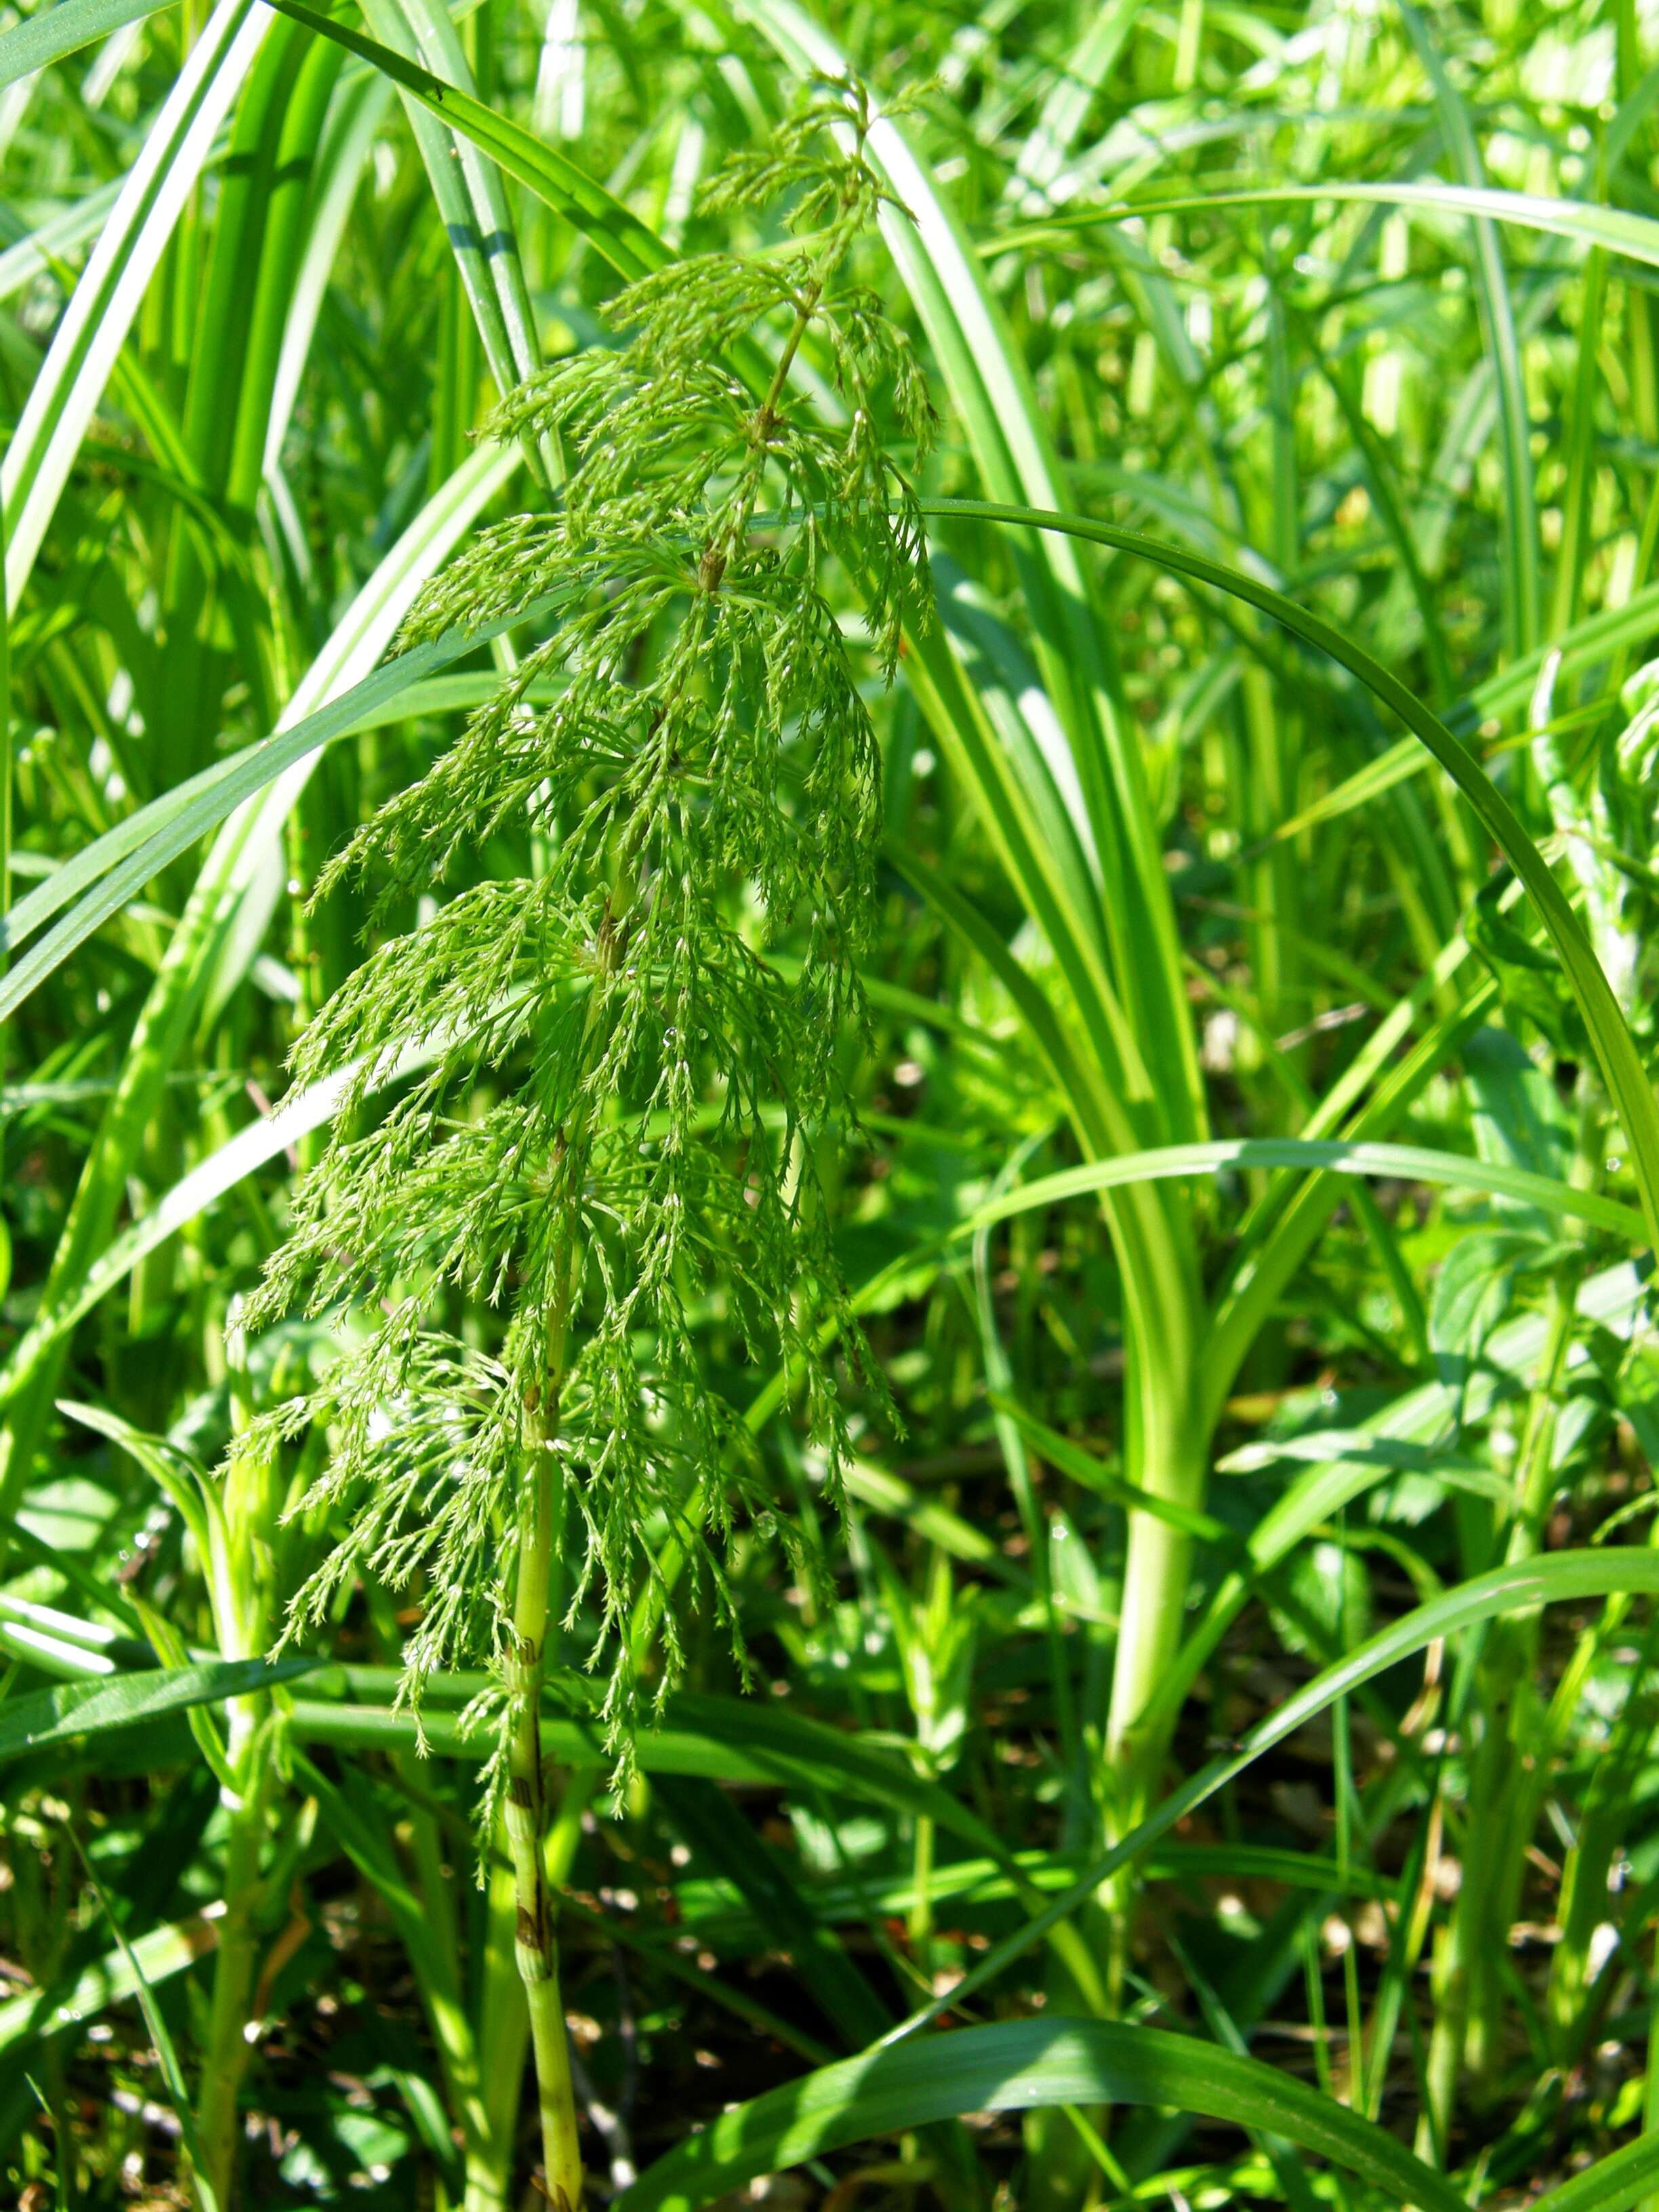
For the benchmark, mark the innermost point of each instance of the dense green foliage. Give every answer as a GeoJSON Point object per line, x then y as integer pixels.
{"type": "Point", "coordinates": [830, 859]}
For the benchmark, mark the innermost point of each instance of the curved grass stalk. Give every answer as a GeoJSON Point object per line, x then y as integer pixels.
{"type": "Point", "coordinates": [1617, 230]}
{"type": "Point", "coordinates": [1560, 1579]}
{"type": "Point", "coordinates": [1407, 1162]}
{"type": "Point", "coordinates": [1018, 2066]}
{"type": "Point", "coordinates": [1621, 1068]}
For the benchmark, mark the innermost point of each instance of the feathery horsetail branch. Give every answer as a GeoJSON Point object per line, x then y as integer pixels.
{"type": "Point", "coordinates": [707, 777]}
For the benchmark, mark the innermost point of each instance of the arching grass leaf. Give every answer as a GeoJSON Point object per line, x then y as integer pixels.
{"type": "Point", "coordinates": [1017, 2066]}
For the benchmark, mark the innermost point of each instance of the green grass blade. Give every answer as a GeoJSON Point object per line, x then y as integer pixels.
{"type": "Point", "coordinates": [116, 867]}
{"type": "Point", "coordinates": [111, 1980]}
{"type": "Point", "coordinates": [1018, 2066]}
{"type": "Point", "coordinates": [75, 1712]}
{"type": "Point", "coordinates": [55, 240]}
{"type": "Point", "coordinates": [161, 2036]}
{"type": "Point", "coordinates": [1519, 571]}
{"type": "Point", "coordinates": [1615, 1049]}
{"type": "Point", "coordinates": [195, 1194]}
{"type": "Point", "coordinates": [53, 32]}
{"type": "Point", "coordinates": [1405, 1163]}
{"type": "Point", "coordinates": [88, 342]}
{"type": "Point", "coordinates": [1636, 237]}
{"type": "Point", "coordinates": [1611, 2183]}
{"type": "Point", "coordinates": [631, 249]}
{"type": "Point", "coordinates": [1560, 1578]}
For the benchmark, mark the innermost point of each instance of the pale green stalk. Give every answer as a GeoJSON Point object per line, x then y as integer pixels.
{"type": "Point", "coordinates": [525, 1814]}
{"type": "Point", "coordinates": [243, 1533]}
{"type": "Point", "coordinates": [225, 2050]}
{"type": "Point", "coordinates": [525, 1818]}
{"type": "Point", "coordinates": [541, 1513]}
{"type": "Point", "coordinates": [503, 2031]}
{"type": "Point", "coordinates": [503, 2035]}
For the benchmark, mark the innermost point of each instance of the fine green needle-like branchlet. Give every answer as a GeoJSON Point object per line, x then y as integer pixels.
{"type": "Point", "coordinates": [706, 780]}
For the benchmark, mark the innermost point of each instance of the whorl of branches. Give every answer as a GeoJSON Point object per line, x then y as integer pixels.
{"type": "Point", "coordinates": [612, 1137]}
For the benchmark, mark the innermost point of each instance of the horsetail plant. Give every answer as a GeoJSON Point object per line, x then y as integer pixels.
{"type": "Point", "coordinates": [615, 1130]}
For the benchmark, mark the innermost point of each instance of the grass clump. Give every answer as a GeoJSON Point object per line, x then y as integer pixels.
{"type": "Point", "coordinates": [826, 1361]}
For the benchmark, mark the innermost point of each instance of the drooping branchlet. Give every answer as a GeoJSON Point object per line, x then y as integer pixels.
{"type": "Point", "coordinates": [706, 779]}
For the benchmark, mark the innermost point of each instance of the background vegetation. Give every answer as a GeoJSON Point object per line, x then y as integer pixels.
{"type": "Point", "coordinates": [1209, 1757]}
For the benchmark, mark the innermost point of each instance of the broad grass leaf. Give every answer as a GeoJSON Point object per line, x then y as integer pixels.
{"type": "Point", "coordinates": [1021, 2066]}
{"type": "Point", "coordinates": [51, 34]}
{"type": "Point", "coordinates": [71, 1712]}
